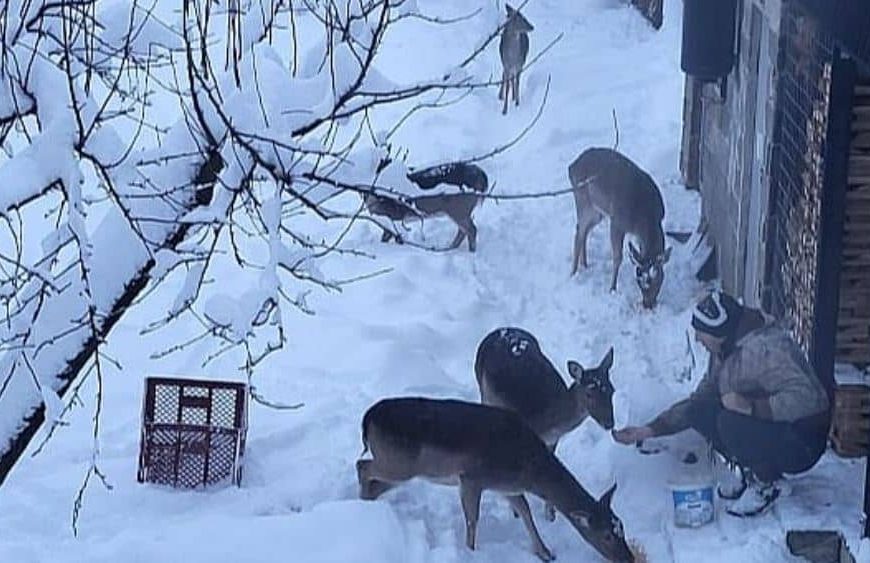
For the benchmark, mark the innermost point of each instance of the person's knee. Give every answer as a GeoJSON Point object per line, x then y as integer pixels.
{"type": "Point", "coordinates": [704, 418]}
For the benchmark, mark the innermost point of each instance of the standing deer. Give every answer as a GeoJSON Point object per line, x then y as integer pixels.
{"type": "Point", "coordinates": [606, 183]}
{"type": "Point", "coordinates": [479, 447]}
{"type": "Point", "coordinates": [457, 206]}
{"type": "Point", "coordinates": [513, 373]}
{"type": "Point", "coordinates": [513, 48]}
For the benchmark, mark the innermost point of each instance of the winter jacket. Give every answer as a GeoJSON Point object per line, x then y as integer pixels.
{"type": "Point", "coordinates": [767, 367]}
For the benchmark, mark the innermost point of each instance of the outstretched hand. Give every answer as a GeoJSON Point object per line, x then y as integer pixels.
{"type": "Point", "coordinates": [632, 434]}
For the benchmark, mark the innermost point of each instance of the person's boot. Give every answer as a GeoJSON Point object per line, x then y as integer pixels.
{"type": "Point", "coordinates": [756, 499]}
{"type": "Point", "coordinates": [732, 481]}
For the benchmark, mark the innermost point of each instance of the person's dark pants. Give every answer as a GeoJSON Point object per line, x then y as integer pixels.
{"type": "Point", "coordinates": [765, 447]}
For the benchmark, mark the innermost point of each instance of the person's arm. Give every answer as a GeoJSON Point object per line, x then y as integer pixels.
{"type": "Point", "coordinates": [671, 421]}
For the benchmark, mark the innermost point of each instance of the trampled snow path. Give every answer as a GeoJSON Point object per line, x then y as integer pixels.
{"type": "Point", "coordinates": [415, 330]}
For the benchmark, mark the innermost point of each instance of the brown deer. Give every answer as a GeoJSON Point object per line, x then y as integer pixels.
{"type": "Point", "coordinates": [479, 447]}
{"type": "Point", "coordinates": [513, 47]}
{"type": "Point", "coordinates": [457, 206]}
{"type": "Point", "coordinates": [606, 183]}
{"type": "Point", "coordinates": [513, 373]}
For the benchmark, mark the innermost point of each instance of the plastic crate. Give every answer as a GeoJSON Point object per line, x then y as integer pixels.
{"type": "Point", "coordinates": [193, 432]}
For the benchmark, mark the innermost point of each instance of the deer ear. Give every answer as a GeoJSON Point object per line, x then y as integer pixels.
{"type": "Point", "coordinates": [510, 9]}
{"type": "Point", "coordinates": [607, 362]}
{"type": "Point", "coordinates": [575, 370]}
{"type": "Point", "coordinates": [607, 497]}
{"type": "Point", "coordinates": [634, 253]}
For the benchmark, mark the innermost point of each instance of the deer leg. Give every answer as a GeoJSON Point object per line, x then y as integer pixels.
{"type": "Point", "coordinates": [457, 240]}
{"type": "Point", "coordinates": [471, 232]}
{"type": "Point", "coordinates": [503, 85]}
{"type": "Point", "coordinates": [617, 237]}
{"type": "Point", "coordinates": [521, 507]}
{"type": "Point", "coordinates": [579, 242]}
{"type": "Point", "coordinates": [465, 229]}
{"type": "Point", "coordinates": [387, 236]}
{"type": "Point", "coordinates": [507, 93]}
{"type": "Point", "coordinates": [586, 220]}
{"type": "Point", "coordinates": [549, 509]}
{"type": "Point", "coordinates": [517, 89]}
{"type": "Point", "coordinates": [469, 493]}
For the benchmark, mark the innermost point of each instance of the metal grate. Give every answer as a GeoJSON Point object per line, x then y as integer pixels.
{"type": "Point", "coordinates": [193, 432]}
{"type": "Point", "coordinates": [798, 171]}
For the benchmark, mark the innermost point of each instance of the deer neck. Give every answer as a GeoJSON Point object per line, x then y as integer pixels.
{"type": "Point", "coordinates": [553, 482]}
{"type": "Point", "coordinates": [564, 414]}
{"type": "Point", "coordinates": [652, 240]}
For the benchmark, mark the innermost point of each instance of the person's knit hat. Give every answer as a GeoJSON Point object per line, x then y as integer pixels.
{"type": "Point", "coordinates": [717, 314]}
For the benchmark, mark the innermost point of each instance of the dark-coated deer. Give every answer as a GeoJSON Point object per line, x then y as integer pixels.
{"type": "Point", "coordinates": [479, 447]}
{"type": "Point", "coordinates": [513, 48]}
{"type": "Point", "coordinates": [513, 373]}
{"type": "Point", "coordinates": [606, 183]}
{"type": "Point", "coordinates": [457, 206]}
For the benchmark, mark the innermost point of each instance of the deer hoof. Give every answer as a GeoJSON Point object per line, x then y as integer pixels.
{"type": "Point", "coordinates": [550, 513]}
{"type": "Point", "coordinates": [544, 554]}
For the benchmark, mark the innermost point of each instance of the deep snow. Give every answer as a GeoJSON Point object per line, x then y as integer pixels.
{"type": "Point", "coordinates": [414, 331]}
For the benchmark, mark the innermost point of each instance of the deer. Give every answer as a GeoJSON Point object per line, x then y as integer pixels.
{"type": "Point", "coordinates": [456, 206]}
{"type": "Point", "coordinates": [513, 47]}
{"type": "Point", "coordinates": [480, 447]}
{"type": "Point", "coordinates": [513, 373]}
{"type": "Point", "coordinates": [607, 183]}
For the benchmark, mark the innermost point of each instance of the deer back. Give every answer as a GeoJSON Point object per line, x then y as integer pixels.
{"type": "Point", "coordinates": [453, 205]}
{"type": "Point", "coordinates": [443, 439]}
{"type": "Point", "coordinates": [620, 189]}
{"type": "Point", "coordinates": [512, 372]}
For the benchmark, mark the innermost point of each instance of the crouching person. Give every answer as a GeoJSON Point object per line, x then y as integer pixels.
{"type": "Point", "coordinates": [760, 405]}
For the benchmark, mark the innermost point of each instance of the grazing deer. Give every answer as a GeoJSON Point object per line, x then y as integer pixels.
{"type": "Point", "coordinates": [457, 206]}
{"type": "Point", "coordinates": [513, 373]}
{"type": "Point", "coordinates": [513, 48]}
{"type": "Point", "coordinates": [606, 183]}
{"type": "Point", "coordinates": [479, 447]}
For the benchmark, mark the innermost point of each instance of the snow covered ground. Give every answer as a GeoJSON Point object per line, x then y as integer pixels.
{"type": "Point", "coordinates": [414, 331]}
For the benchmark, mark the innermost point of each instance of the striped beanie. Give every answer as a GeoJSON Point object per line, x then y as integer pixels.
{"type": "Point", "coordinates": [717, 314]}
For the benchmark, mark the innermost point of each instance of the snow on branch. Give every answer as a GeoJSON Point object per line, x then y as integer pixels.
{"type": "Point", "coordinates": [142, 143]}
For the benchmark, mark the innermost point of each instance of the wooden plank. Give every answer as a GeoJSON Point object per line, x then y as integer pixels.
{"type": "Point", "coordinates": [854, 346]}
{"type": "Point", "coordinates": [861, 141]}
{"type": "Point", "coordinates": [853, 326]}
{"type": "Point", "coordinates": [859, 165]}
{"type": "Point", "coordinates": [853, 334]}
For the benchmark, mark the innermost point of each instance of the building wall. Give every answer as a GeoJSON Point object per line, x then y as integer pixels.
{"type": "Point", "coordinates": [728, 147]}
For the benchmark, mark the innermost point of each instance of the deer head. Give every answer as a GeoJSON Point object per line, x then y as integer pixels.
{"type": "Point", "coordinates": [593, 389]}
{"type": "Point", "coordinates": [649, 273]}
{"type": "Point", "coordinates": [603, 529]}
{"type": "Point", "coordinates": [517, 23]}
